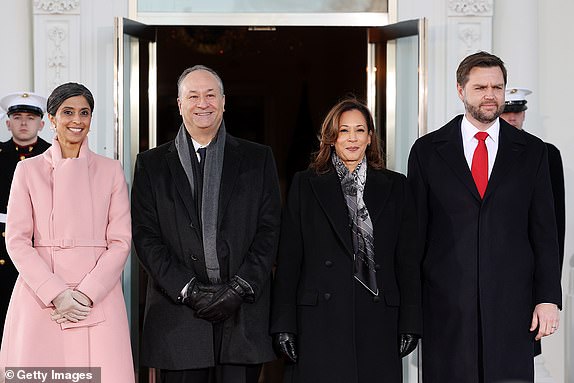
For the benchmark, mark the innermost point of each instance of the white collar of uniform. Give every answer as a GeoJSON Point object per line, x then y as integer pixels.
{"type": "Point", "coordinates": [469, 130]}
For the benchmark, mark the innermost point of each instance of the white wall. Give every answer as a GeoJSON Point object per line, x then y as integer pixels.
{"type": "Point", "coordinates": [556, 55]}
{"type": "Point", "coordinates": [16, 66]}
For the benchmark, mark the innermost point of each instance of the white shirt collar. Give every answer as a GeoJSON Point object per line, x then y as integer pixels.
{"type": "Point", "coordinates": [469, 130]}
{"type": "Point", "coordinates": [197, 145]}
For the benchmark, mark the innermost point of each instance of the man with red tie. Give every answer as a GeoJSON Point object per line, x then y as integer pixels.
{"type": "Point", "coordinates": [491, 281]}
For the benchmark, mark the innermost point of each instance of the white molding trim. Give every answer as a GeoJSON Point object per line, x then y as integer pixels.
{"type": "Point", "coordinates": [58, 59]}
{"type": "Point", "coordinates": [56, 6]}
{"type": "Point", "coordinates": [56, 50]}
{"type": "Point", "coordinates": [471, 7]}
{"type": "Point", "coordinates": [368, 19]}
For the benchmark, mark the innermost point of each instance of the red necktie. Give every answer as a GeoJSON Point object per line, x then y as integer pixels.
{"type": "Point", "coordinates": [479, 168]}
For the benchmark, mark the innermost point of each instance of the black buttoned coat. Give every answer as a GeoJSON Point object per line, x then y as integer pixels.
{"type": "Point", "coordinates": [9, 158]}
{"type": "Point", "coordinates": [344, 333]}
{"type": "Point", "coordinates": [487, 262]}
{"type": "Point", "coordinates": [168, 242]}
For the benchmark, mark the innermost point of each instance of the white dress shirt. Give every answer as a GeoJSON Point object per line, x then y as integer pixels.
{"type": "Point", "coordinates": [469, 142]}
{"type": "Point", "coordinates": [196, 147]}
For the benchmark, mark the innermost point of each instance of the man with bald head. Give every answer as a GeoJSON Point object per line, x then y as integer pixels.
{"type": "Point", "coordinates": [205, 216]}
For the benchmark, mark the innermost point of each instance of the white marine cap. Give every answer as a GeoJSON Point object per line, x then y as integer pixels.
{"type": "Point", "coordinates": [515, 99]}
{"type": "Point", "coordinates": [27, 102]}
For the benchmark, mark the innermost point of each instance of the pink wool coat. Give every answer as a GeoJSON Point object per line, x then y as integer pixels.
{"type": "Point", "coordinates": [68, 225]}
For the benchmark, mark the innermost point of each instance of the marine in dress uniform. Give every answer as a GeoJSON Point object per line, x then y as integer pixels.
{"type": "Point", "coordinates": [23, 110]}
{"type": "Point", "coordinates": [515, 113]}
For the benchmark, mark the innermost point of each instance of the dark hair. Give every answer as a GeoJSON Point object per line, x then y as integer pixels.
{"type": "Point", "coordinates": [193, 69]}
{"type": "Point", "coordinates": [321, 161]}
{"type": "Point", "coordinates": [479, 59]}
{"type": "Point", "coordinates": [64, 92]}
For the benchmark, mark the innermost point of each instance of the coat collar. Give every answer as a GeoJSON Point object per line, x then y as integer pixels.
{"type": "Point", "coordinates": [231, 165]}
{"type": "Point", "coordinates": [181, 184]}
{"type": "Point", "coordinates": [448, 141]}
{"type": "Point", "coordinates": [327, 190]}
{"type": "Point", "coordinates": [54, 153]}
{"type": "Point", "coordinates": [511, 147]}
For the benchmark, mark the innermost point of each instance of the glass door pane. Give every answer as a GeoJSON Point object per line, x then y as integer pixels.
{"type": "Point", "coordinates": [398, 79]}
{"type": "Point", "coordinates": [134, 103]}
{"type": "Point", "coordinates": [400, 87]}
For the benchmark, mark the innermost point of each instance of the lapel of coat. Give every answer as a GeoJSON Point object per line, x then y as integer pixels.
{"type": "Point", "coordinates": [377, 191]}
{"type": "Point", "coordinates": [327, 189]}
{"type": "Point", "coordinates": [231, 164]}
{"type": "Point", "coordinates": [511, 146]}
{"type": "Point", "coordinates": [182, 184]}
{"type": "Point", "coordinates": [448, 143]}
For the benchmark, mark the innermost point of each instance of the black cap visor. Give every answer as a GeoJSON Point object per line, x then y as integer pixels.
{"type": "Point", "coordinates": [25, 109]}
{"type": "Point", "coordinates": [515, 106]}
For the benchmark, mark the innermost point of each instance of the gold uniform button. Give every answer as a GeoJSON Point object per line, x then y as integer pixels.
{"type": "Point", "coordinates": [3, 234]}
{"type": "Point", "coordinates": [2, 262]}
{"type": "Point", "coordinates": [22, 158]}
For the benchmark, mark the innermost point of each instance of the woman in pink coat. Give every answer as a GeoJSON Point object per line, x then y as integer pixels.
{"type": "Point", "coordinates": [68, 233]}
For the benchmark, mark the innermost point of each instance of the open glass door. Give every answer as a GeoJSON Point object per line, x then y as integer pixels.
{"type": "Point", "coordinates": [135, 130]}
{"type": "Point", "coordinates": [398, 80]}
{"type": "Point", "coordinates": [398, 77]}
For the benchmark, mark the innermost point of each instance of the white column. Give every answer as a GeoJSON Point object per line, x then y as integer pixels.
{"type": "Point", "coordinates": [469, 29]}
{"type": "Point", "coordinates": [56, 28]}
{"type": "Point", "coordinates": [56, 43]}
{"type": "Point", "coordinates": [515, 31]}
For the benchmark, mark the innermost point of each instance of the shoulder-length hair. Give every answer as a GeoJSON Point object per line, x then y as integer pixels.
{"type": "Point", "coordinates": [321, 159]}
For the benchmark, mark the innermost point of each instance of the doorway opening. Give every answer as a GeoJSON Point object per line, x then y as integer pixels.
{"type": "Point", "coordinates": [279, 81]}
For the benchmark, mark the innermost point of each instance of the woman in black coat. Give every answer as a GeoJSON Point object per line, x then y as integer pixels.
{"type": "Point", "coordinates": [347, 297]}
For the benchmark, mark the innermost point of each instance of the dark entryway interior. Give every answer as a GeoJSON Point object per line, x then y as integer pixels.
{"type": "Point", "coordinates": [279, 82]}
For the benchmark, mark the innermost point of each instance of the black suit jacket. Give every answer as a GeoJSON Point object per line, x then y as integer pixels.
{"type": "Point", "coordinates": [168, 243]}
{"type": "Point", "coordinates": [315, 295]}
{"type": "Point", "coordinates": [487, 262]}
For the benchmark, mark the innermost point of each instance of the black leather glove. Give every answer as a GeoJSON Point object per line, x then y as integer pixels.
{"type": "Point", "coordinates": [224, 304]}
{"type": "Point", "coordinates": [284, 344]}
{"type": "Point", "coordinates": [200, 295]}
{"type": "Point", "coordinates": [408, 343]}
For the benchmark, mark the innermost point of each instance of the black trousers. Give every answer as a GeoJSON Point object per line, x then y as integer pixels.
{"type": "Point", "coordinates": [220, 373]}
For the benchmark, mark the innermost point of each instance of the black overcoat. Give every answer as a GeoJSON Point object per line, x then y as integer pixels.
{"type": "Point", "coordinates": [168, 244]}
{"type": "Point", "coordinates": [9, 158]}
{"type": "Point", "coordinates": [344, 333]}
{"type": "Point", "coordinates": [487, 262]}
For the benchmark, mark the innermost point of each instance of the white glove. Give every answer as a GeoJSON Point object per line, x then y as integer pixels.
{"type": "Point", "coordinates": [82, 298]}
{"type": "Point", "coordinates": [68, 308]}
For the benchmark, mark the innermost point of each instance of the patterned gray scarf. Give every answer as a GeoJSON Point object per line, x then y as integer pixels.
{"type": "Point", "coordinates": [353, 186]}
